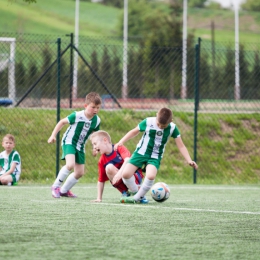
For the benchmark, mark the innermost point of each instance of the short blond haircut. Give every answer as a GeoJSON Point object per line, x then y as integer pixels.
{"type": "Point", "coordinates": [93, 97]}
{"type": "Point", "coordinates": [100, 134]}
{"type": "Point", "coordinates": [9, 137]}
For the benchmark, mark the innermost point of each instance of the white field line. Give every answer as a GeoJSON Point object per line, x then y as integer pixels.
{"type": "Point", "coordinates": [174, 187]}
{"type": "Point", "coordinates": [150, 206]}
{"type": "Point", "coordinates": [183, 209]}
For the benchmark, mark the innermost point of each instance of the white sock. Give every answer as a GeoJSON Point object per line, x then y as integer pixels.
{"type": "Point", "coordinates": [145, 187]}
{"type": "Point", "coordinates": [69, 183]}
{"type": "Point", "coordinates": [130, 184]}
{"type": "Point", "coordinates": [63, 173]}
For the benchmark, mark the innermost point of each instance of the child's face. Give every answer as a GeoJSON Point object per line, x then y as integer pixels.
{"type": "Point", "coordinates": [8, 145]}
{"type": "Point", "coordinates": [161, 126]}
{"type": "Point", "coordinates": [91, 109]}
{"type": "Point", "coordinates": [101, 145]}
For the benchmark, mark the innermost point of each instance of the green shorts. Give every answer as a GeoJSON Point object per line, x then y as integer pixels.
{"type": "Point", "coordinates": [70, 149]}
{"type": "Point", "coordinates": [139, 160]}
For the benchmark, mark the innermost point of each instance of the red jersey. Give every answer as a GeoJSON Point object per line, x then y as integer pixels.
{"type": "Point", "coordinates": [116, 158]}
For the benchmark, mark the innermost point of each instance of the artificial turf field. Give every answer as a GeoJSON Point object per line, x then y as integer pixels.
{"type": "Point", "coordinates": [196, 222]}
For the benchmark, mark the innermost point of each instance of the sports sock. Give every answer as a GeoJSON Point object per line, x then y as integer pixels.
{"type": "Point", "coordinates": [63, 173]}
{"type": "Point", "coordinates": [120, 186]}
{"type": "Point", "coordinates": [145, 187]}
{"type": "Point", "coordinates": [130, 183]}
{"type": "Point", "coordinates": [69, 183]}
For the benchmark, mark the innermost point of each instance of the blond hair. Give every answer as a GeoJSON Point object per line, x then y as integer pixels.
{"type": "Point", "coordinates": [93, 97]}
{"type": "Point", "coordinates": [9, 137]}
{"type": "Point", "coordinates": [100, 134]}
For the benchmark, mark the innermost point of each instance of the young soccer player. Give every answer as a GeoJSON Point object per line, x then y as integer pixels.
{"type": "Point", "coordinates": [82, 124]}
{"type": "Point", "coordinates": [10, 162]}
{"type": "Point", "coordinates": [157, 131]}
{"type": "Point", "coordinates": [111, 163]}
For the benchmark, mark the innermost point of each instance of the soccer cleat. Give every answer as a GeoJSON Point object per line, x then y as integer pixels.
{"type": "Point", "coordinates": [143, 201]}
{"type": "Point", "coordinates": [128, 200]}
{"type": "Point", "coordinates": [55, 192]}
{"type": "Point", "coordinates": [68, 194]}
{"type": "Point", "coordinates": [125, 194]}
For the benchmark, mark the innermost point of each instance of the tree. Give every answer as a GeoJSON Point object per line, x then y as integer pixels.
{"type": "Point", "coordinates": [251, 5]}
{"type": "Point", "coordinates": [197, 3]}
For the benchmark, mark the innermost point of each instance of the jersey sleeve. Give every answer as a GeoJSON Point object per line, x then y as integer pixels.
{"type": "Point", "coordinates": [72, 118]}
{"type": "Point", "coordinates": [142, 126]}
{"type": "Point", "coordinates": [102, 177]}
{"type": "Point", "coordinates": [16, 158]}
{"type": "Point", "coordinates": [176, 132]}
{"type": "Point", "coordinates": [124, 152]}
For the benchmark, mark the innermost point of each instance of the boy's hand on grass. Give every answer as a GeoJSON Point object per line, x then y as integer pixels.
{"type": "Point", "coordinates": [97, 200]}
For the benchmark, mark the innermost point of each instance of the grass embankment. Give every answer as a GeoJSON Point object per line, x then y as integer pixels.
{"type": "Point", "coordinates": [228, 145]}
{"type": "Point", "coordinates": [58, 17]}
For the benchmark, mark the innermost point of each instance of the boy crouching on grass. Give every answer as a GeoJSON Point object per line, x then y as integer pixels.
{"type": "Point", "coordinates": [10, 162]}
{"type": "Point", "coordinates": [110, 165]}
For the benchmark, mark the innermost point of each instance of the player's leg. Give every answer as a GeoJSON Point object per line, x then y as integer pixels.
{"type": "Point", "coordinates": [6, 179]}
{"type": "Point", "coordinates": [72, 180]}
{"type": "Point", "coordinates": [129, 178]}
{"type": "Point", "coordinates": [65, 170]}
{"type": "Point", "coordinates": [148, 182]}
{"type": "Point", "coordinates": [68, 154]}
{"type": "Point", "coordinates": [111, 171]}
{"type": "Point", "coordinates": [74, 176]}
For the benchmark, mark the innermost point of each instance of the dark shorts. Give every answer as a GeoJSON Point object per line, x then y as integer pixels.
{"type": "Point", "coordinates": [70, 149]}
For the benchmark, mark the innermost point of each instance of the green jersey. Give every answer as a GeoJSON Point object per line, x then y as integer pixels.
{"type": "Point", "coordinates": [6, 161]}
{"type": "Point", "coordinates": [80, 129]}
{"type": "Point", "coordinates": [154, 139]}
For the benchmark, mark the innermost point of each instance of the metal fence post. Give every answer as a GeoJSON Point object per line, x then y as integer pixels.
{"type": "Point", "coordinates": [196, 103]}
{"type": "Point", "coordinates": [58, 106]}
{"type": "Point", "coordinates": [71, 66]}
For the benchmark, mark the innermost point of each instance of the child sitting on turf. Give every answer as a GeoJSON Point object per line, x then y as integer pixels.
{"type": "Point", "coordinates": [111, 163]}
{"type": "Point", "coordinates": [10, 162]}
{"type": "Point", "coordinates": [81, 125]}
{"type": "Point", "coordinates": [149, 151]}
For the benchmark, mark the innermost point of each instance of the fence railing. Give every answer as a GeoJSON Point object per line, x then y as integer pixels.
{"type": "Point", "coordinates": [219, 130]}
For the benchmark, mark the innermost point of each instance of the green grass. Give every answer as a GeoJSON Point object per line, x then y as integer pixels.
{"type": "Point", "coordinates": [58, 17]}
{"type": "Point", "coordinates": [227, 145]}
{"type": "Point", "coordinates": [196, 222]}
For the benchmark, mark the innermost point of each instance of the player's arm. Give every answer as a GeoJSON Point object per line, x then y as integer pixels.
{"type": "Point", "coordinates": [183, 150]}
{"type": "Point", "coordinates": [100, 189]}
{"type": "Point", "coordinates": [11, 170]}
{"type": "Point", "coordinates": [56, 130]}
{"type": "Point", "coordinates": [131, 134]}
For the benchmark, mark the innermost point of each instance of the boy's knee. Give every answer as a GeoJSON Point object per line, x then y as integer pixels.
{"type": "Point", "coordinates": [110, 168]}
{"type": "Point", "coordinates": [70, 166]}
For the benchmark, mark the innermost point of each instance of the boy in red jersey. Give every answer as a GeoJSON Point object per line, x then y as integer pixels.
{"type": "Point", "coordinates": [111, 164]}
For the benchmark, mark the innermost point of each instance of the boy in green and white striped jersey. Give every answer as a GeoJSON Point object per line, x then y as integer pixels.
{"type": "Point", "coordinates": [10, 162]}
{"type": "Point", "coordinates": [82, 124]}
{"type": "Point", "coordinates": [149, 151]}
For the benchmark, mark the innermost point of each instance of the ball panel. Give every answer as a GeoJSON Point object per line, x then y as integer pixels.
{"type": "Point", "coordinates": [160, 191]}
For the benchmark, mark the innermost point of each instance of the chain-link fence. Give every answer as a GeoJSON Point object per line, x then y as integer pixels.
{"type": "Point", "coordinates": [215, 100]}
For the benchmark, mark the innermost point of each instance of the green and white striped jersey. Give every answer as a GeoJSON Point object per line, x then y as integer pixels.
{"type": "Point", "coordinates": [80, 129]}
{"type": "Point", "coordinates": [7, 160]}
{"type": "Point", "coordinates": [154, 139]}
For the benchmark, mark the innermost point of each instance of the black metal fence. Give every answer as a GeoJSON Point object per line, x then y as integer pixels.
{"type": "Point", "coordinates": [215, 100]}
